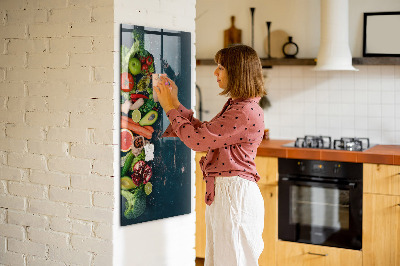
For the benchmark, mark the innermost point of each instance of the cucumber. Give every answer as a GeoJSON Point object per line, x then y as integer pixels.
{"type": "Point", "coordinates": [127, 164]}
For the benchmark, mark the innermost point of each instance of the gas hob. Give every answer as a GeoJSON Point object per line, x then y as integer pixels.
{"type": "Point", "coordinates": [325, 142]}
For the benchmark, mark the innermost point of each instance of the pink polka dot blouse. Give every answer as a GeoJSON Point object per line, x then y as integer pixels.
{"type": "Point", "coordinates": [231, 139]}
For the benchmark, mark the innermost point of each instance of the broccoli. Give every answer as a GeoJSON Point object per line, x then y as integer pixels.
{"type": "Point", "coordinates": [147, 106]}
{"type": "Point", "coordinates": [135, 203]}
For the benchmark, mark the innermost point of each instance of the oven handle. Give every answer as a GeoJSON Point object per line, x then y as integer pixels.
{"type": "Point", "coordinates": [329, 184]}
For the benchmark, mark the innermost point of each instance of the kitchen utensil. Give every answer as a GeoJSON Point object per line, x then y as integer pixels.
{"type": "Point", "coordinates": [269, 38]}
{"type": "Point", "coordinates": [252, 9]}
{"type": "Point", "coordinates": [232, 35]}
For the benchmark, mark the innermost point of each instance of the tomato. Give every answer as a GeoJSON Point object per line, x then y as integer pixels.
{"type": "Point", "coordinates": [149, 60]}
{"type": "Point", "coordinates": [142, 59]}
{"type": "Point", "coordinates": [145, 67]}
{"type": "Point", "coordinates": [127, 82]}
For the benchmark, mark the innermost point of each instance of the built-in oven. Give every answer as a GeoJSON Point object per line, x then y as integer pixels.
{"type": "Point", "coordinates": [320, 202]}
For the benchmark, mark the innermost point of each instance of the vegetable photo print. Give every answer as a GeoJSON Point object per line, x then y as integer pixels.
{"type": "Point", "coordinates": [155, 172]}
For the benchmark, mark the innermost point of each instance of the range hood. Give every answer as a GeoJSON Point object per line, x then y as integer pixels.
{"type": "Point", "coordinates": [334, 51]}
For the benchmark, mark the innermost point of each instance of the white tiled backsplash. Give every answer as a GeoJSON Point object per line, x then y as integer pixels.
{"type": "Point", "coordinates": [337, 104]}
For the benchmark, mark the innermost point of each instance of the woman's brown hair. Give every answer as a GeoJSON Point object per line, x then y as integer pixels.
{"type": "Point", "coordinates": [245, 78]}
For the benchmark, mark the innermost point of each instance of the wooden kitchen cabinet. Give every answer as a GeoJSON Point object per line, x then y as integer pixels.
{"type": "Point", "coordinates": [267, 168]}
{"type": "Point", "coordinates": [381, 230]}
{"type": "Point", "coordinates": [200, 209]}
{"type": "Point", "coordinates": [270, 233]}
{"type": "Point", "coordinates": [298, 254]}
{"type": "Point", "coordinates": [381, 179]}
{"type": "Point", "coordinates": [381, 215]}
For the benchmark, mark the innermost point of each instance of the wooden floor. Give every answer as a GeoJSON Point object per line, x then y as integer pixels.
{"type": "Point", "coordinates": [199, 262]}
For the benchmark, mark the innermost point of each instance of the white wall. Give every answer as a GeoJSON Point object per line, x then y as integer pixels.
{"type": "Point", "coordinates": [299, 18]}
{"type": "Point", "coordinates": [168, 241]}
{"type": "Point", "coordinates": [338, 104]}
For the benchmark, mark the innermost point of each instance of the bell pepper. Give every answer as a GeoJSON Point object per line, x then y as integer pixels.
{"type": "Point", "coordinates": [134, 97]}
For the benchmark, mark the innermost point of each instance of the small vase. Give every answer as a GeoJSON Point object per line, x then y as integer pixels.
{"type": "Point", "coordinates": [290, 49]}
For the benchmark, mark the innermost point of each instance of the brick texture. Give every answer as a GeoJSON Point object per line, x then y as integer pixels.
{"type": "Point", "coordinates": [56, 89]}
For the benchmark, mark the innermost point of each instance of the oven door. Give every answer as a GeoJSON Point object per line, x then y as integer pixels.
{"type": "Point", "coordinates": [320, 212]}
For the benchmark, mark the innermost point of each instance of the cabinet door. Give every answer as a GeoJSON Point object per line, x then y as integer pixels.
{"type": "Point", "coordinates": [381, 179]}
{"type": "Point", "coordinates": [297, 254]}
{"type": "Point", "coordinates": [381, 230]}
{"type": "Point", "coordinates": [200, 209]}
{"type": "Point", "coordinates": [270, 233]}
{"type": "Point", "coordinates": [267, 168]}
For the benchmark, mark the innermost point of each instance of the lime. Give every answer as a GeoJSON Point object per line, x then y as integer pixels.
{"type": "Point", "coordinates": [136, 115]}
{"type": "Point", "coordinates": [148, 188]}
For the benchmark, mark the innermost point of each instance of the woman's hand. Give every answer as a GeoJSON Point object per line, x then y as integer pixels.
{"type": "Point", "coordinates": [164, 94]}
{"type": "Point", "coordinates": [174, 90]}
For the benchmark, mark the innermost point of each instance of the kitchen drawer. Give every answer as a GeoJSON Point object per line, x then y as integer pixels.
{"type": "Point", "coordinates": [381, 230]}
{"type": "Point", "coordinates": [298, 254]}
{"type": "Point", "coordinates": [267, 168]}
{"type": "Point", "coordinates": [381, 179]}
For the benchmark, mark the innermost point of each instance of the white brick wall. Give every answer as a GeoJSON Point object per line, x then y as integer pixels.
{"type": "Point", "coordinates": [56, 121]}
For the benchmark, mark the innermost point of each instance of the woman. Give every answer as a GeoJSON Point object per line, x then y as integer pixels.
{"type": "Point", "coordinates": [235, 207]}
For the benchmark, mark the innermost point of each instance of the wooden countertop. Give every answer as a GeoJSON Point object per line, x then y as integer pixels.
{"type": "Point", "coordinates": [379, 154]}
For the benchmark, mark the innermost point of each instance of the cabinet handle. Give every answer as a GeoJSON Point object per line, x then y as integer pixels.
{"type": "Point", "coordinates": [398, 204]}
{"type": "Point", "coordinates": [318, 254]}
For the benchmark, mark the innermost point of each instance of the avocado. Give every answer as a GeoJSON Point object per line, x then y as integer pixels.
{"type": "Point", "coordinates": [127, 183]}
{"type": "Point", "coordinates": [149, 118]}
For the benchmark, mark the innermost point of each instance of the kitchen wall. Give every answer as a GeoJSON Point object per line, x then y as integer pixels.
{"type": "Point", "coordinates": [56, 121]}
{"type": "Point", "coordinates": [339, 104]}
{"type": "Point", "coordinates": [168, 241]}
{"type": "Point", "coordinates": [297, 18]}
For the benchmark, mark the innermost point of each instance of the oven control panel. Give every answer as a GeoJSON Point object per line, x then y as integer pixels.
{"type": "Point", "coordinates": [330, 169]}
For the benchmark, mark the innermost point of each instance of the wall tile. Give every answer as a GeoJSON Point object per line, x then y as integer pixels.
{"type": "Point", "coordinates": [375, 136]}
{"type": "Point", "coordinates": [388, 97]}
{"type": "Point", "coordinates": [374, 110]}
{"type": "Point", "coordinates": [364, 103]}
{"type": "Point", "coordinates": [322, 121]}
{"type": "Point", "coordinates": [388, 110]}
{"type": "Point", "coordinates": [388, 124]}
{"type": "Point", "coordinates": [322, 95]}
{"type": "Point", "coordinates": [361, 110]}
{"type": "Point", "coordinates": [347, 109]}
{"type": "Point", "coordinates": [361, 124]}
{"type": "Point", "coordinates": [387, 72]}
{"type": "Point", "coordinates": [347, 122]}
{"type": "Point", "coordinates": [374, 123]}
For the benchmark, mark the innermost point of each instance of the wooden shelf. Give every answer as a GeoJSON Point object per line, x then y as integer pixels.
{"type": "Point", "coordinates": [288, 62]}
{"type": "Point", "coordinates": [376, 61]}
{"type": "Point", "coordinates": [312, 61]}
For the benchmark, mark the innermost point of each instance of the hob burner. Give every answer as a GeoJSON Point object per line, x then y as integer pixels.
{"type": "Point", "coordinates": [321, 142]}
{"type": "Point", "coordinates": [351, 144]}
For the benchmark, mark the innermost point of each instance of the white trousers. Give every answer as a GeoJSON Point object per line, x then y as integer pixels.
{"type": "Point", "coordinates": [234, 223]}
